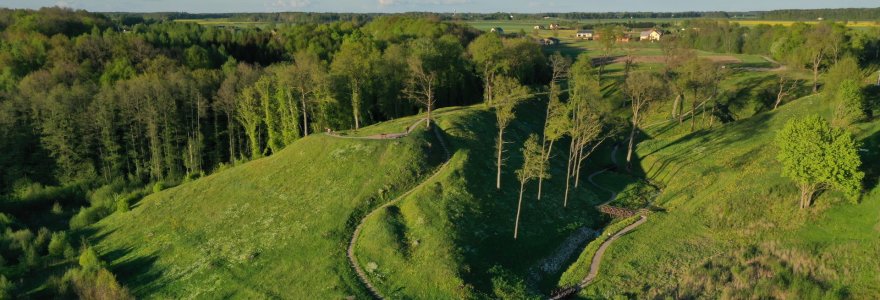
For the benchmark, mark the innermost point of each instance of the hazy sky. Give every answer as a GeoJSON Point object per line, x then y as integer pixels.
{"type": "Point", "coordinates": [202, 6]}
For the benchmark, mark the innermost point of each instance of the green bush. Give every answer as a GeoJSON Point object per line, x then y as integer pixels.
{"type": "Point", "coordinates": [6, 287]}
{"type": "Point", "coordinates": [122, 205]}
{"type": "Point", "coordinates": [59, 244]}
{"type": "Point", "coordinates": [158, 187]}
{"type": "Point", "coordinates": [89, 260]}
{"type": "Point", "coordinates": [850, 106]}
{"type": "Point", "coordinates": [87, 216]}
{"type": "Point", "coordinates": [42, 239]}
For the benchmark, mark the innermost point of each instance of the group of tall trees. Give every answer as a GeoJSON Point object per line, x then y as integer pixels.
{"type": "Point", "coordinates": [88, 97]}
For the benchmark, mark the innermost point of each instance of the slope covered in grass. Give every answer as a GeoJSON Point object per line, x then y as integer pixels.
{"type": "Point", "coordinates": [275, 227]}
{"type": "Point", "coordinates": [731, 226]}
{"type": "Point", "coordinates": [453, 238]}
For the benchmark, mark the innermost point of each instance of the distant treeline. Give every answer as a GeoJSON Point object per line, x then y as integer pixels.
{"type": "Point", "coordinates": [839, 14]}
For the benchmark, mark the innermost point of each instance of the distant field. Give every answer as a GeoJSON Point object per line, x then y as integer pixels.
{"type": "Point", "coordinates": [528, 25]}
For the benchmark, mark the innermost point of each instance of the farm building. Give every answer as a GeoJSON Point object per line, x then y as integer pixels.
{"type": "Point", "coordinates": [497, 30]}
{"type": "Point", "coordinates": [585, 34]}
{"type": "Point", "coordinates": [650, 35]}
{"type": "Point", "coordinates": [539, 27]}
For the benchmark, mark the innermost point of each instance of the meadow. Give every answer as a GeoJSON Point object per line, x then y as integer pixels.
{"type": "Point", "coordinates": [274, 226]}
{"type": "Point", "coordinates": [727, 216]}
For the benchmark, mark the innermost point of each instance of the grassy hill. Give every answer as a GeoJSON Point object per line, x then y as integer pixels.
{"type": "Point", "coordinates": [273, 227]}
{"type": "Point", "coordinates": [731, 226]}
{"type": "Point", "coordinates": [454, 238]}
{"type": "Point", "coordinates": [278, 226]}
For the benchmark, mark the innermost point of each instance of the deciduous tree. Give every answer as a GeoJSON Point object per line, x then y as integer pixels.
{"type": "Point", "coordinates": [642, 88]}
{"type": "Point", "coordinates": [817, 157]}
{"type": "Point", "coordinates": [508, 93]}
{"type": "Point", "coordinates": [534, 166]}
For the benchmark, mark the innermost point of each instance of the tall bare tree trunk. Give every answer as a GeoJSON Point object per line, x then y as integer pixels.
{"type": "Point", "coordinates": [305, 118]}
{"type": "Point", "coordinates": [498, 163]}
{"type": "Point", "coordinates": [816, 62]}
{"type": "Point", "coordinates": [541, 178]}
{"type": "Point", "coordinates": [693, 114]}
{"type": "Point", "coordinates": [356, 104]}
{"type": "Point", "coordinates": [568, 174]}
{"type": "Point", "coordinates": [681, 108]}
{"type": "Point", "coordinates": [675, 105]}
{"type": "Point", "coordinates": [522, 185]}
{"type": "Point", "coordinates": [428, 120]}
{"type": "Point", "coordinates": [579, 160]}
{"type": "Point", "coordinates": [629, 148]}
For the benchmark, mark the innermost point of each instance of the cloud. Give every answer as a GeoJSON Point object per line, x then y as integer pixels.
{"type": "Point", "coordinates": [421, 2]}
{"type": "Point", "coordinates": [291, 3]}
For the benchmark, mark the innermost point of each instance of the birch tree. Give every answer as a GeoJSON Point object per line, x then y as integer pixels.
{"type": "Point", "coordinates": [508, 93]}
{"type": "Point", "coordinates": [534, 166]}
{"type": "Point", "coordinates": [556, 119]}
{"type": "Point", "coordinates": [641, 88]}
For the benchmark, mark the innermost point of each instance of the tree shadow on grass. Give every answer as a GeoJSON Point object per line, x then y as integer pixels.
{"type": "Point", "coordinates": [870, 153]}
{"type": "Point", "coordinates": [702, 144]}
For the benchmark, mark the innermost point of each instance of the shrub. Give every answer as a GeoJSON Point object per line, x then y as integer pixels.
{"type": "Point", "coordinates": [507, 286]}
{"type": "Point", "coordinates": [56, 209]}
{"type": "Point", "coordinates": [92, 284]}
{"type": "Point", "coordinates": [42, 239]}
{"type": "Point", "coordinates": [122, 205]}
{"type": "Point", "coordinates": [6, 287]}
{"type": "Point", "coordinates": [87, 216]}
{"type": "Point", "coordinates": [850, 106]}
{"type": "Point", "coordinates": [89, 260]}
{"type": "Point", "coordinates": [58, 245]}
{"type": "Point", "coordinates": [22, 238]}
{"type": "Point", "coordinates": [158, 187]}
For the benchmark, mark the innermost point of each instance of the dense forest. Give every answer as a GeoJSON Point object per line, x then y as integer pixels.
{"type": "Point", "coordinates": [84, 100]}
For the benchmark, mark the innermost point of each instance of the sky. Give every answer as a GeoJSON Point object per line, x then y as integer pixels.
{"type": "Point", "coordinates": [391, 6]}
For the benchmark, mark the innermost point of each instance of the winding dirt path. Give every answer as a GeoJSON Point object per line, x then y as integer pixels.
{"type": "Point", "coordinates": [350, 252]}
{"type": "Point", "coordinates": [597, 257]}
{"type": "Point", "coordinates": [380, 136]}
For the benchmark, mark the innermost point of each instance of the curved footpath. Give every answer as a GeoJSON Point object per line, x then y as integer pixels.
{"type": "Point", "coordinates": [362, 276]}
{"type": "Point", "coordinates": [597, 257]}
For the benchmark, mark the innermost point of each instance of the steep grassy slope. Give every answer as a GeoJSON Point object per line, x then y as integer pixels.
{"type": "Point", "coordinates": [454, 237]}
{"type": "Point", "coordinates": [731, 226]}
{"type": "Point", "coordinates": [276, 227]}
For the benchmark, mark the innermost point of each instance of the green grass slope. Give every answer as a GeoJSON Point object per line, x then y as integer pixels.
{"type": "Point", "coordinates": [453, 238]}
{"type": "Point", "coordinates": [275, 227]}
{"type": "Point", "coordinates": [731, 226]}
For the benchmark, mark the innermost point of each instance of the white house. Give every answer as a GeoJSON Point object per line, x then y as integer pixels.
{"type": "Point", "coordinates": [650, 35]}
{"type": "Point", "coordinates": [585, 34]}
{"type": "Point", "coordinates": [497, 30]}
